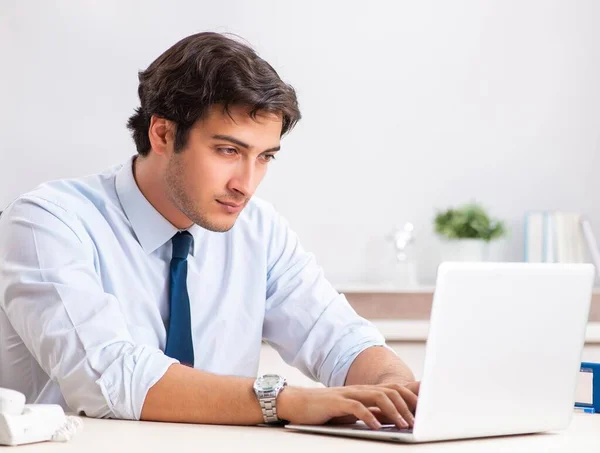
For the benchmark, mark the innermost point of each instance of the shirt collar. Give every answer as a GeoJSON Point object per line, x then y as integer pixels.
{"type": "Point", "coordinates": [151, 229]}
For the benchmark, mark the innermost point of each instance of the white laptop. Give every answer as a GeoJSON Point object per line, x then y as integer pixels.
{"type": "Point", "coordinates": [502, 356]}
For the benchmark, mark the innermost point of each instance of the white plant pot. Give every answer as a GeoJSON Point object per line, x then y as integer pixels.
{"type": "Point", "coordinates": [464, 250]}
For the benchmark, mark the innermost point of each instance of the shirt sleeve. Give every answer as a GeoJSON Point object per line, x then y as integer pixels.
{"type": "Point", "coordinates": [307, 321]}
{"type": "Point", "coordinates": [53, 297]}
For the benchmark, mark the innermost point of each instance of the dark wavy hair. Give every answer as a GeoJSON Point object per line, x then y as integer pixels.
{"type": "Point", "coordinates": [203, 70]}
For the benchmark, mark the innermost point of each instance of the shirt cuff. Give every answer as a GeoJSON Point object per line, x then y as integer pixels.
{"type": "Point", "coordinates": [338, 362]}
{"type": "Point", "coordinates": [125, 383]}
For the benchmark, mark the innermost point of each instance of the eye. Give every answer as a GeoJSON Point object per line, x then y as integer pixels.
{"type": "Point", "coordinates": [227, 151]}
{"type": "Point", "coordinates": [268, 157]}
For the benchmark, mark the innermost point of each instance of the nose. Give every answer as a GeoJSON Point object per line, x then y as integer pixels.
{"type": "Point", "coordinates": [244, 180]}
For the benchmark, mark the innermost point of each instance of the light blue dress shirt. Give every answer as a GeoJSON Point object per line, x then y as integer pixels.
{"type": "Point", "coordinates": [84, 268]}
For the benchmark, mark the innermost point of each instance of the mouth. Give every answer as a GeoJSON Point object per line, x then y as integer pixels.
{"type": "Point", "coordinates": [230, 208]}
{"type": "Point", "coordinates": [233, 205]}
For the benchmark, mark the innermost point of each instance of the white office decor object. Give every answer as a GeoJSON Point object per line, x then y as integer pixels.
{"type": "Point", "coordinates": [404, 268]}
{"type": "Point", "coordinates": [22, 423]}
{"type": "Point", "coordinates": [464, 250]}
{"type": "Point", "coordinates": [466, 232]}
{"type": "Point", "coordinates": [390, 259]}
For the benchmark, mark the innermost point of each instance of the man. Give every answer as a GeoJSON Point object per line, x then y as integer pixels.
{"type": "Point", "coordinates": [144, 292]}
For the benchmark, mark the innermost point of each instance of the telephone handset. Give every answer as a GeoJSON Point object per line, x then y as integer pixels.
{"type": "Point", "coordinates": [22, 423]}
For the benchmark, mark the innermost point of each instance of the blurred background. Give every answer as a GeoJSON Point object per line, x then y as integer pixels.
{"type": "Point", "coordinates": [409, 109]}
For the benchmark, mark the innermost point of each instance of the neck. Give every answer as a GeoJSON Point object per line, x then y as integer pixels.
{"type": "Point", "coordinates": [148, 176]}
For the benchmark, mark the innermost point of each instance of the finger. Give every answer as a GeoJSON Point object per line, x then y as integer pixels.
{"type": "Point", "coordinates": [378, 397]}
{"type": "Point", "coordinates": [397, 397]}
{"type": "Point", "coordinates": [344, 420]}
{"type": "Point", "coordinates": [381, 416]}
{"type": "Point", "coordinates": [359, 410]}
{"type": "Point", "coordinates": [407, 395]}
{"type": "Point", "coordinates": [414, 387]}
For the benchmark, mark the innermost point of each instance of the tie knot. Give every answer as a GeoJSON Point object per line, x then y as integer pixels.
{"type": "Point", "coordinates": [181, 244]}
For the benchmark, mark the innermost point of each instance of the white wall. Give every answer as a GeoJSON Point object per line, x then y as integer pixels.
{"type": "Point", "coordinates": [408, 106]}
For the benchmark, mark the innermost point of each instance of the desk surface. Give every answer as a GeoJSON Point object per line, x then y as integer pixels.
{"type": "Point", "coordinates": [148, 437]}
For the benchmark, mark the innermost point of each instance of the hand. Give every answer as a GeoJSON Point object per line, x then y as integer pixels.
{"type": "Point", "coordinates": [373, 404]}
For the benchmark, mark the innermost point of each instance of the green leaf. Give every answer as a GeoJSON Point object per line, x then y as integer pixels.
{"type": "Point", "coordinates": [469, 221]}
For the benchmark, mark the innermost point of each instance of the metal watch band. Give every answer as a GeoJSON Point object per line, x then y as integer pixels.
{"type": "Point", "coordinates": [269, 410]}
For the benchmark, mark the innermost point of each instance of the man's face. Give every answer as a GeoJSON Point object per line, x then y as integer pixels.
{"type": "Point", "coordinates": [224, 161]}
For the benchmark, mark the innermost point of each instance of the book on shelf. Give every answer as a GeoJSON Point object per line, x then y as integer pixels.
{"type": "Point", "coordinates": [557, 237]}
{"type": "Point", "coordinates": [592, 244]}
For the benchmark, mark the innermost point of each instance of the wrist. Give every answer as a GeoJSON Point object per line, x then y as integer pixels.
{"type": "Point", "coordinates": [287, 402]}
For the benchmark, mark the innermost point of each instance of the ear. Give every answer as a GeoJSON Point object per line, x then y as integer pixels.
{"type": "Point", "coordinates": [161, 134]}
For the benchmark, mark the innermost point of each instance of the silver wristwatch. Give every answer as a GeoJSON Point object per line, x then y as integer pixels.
{"type": "Point", "coordinates": [267, 387]}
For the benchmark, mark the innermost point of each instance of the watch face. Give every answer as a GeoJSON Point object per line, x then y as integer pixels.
{"type": "Point", "coordinates": [269, 381]}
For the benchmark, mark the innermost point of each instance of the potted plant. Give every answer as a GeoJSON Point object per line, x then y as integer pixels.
{"type": "Point", "coordinates": [466, 232]}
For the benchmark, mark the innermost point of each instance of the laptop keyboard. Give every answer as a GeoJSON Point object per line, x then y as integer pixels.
{"type": "Point", "coordinates": [384, 428]}
{"type": "Point", "coordinates": [394, 429]}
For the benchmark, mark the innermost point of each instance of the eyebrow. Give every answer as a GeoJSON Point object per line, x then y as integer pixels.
{"type": "Point", "coordinates": [241, 143]}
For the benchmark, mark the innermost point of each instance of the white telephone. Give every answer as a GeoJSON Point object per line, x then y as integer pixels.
{"type": "Point", "coordinates": [22, 423]}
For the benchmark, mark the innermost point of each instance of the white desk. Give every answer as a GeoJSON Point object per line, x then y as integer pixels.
{"type": "Point", "coordinates": [115, 435]}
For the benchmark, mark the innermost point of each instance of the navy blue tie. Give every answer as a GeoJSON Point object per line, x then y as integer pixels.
{"type": "Point", "coordinates": [179, 336]}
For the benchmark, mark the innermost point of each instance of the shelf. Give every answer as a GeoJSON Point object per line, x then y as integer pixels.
{"type": "Point", "coordinates": [366, 288]}
{"type": "Point", "coordinates": [412, 304]}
